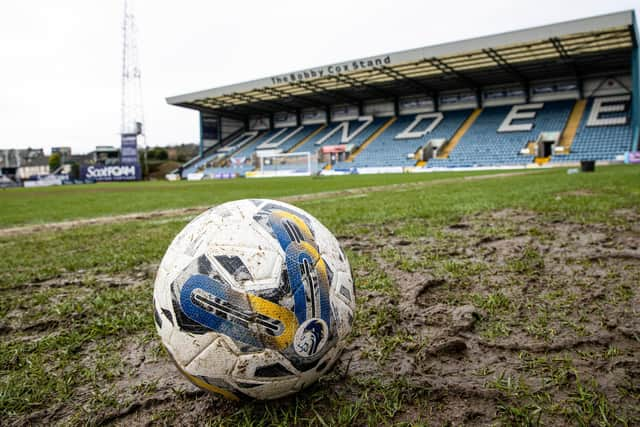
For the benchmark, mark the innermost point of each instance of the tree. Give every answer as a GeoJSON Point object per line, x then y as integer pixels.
{"type": "Point", "coordinates": [158, 153]}
{"type": "Point", "coordinates": [54, 161]}
{"type": "Point", "coordinates": [143, 163]}
{"type": "Point", "coordinates": [75, 171]}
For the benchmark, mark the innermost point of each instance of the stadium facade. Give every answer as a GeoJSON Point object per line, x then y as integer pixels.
{"type": "Point", "coordinates": [550, 95]}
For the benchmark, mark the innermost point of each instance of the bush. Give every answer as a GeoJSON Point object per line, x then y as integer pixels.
{"type": "Point", "coordinates": [54, 161]}
{"type": "Point", "coordinates": [157, 153]}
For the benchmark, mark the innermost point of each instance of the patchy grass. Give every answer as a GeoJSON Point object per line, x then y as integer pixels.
{"type": "Point", "coordinates": [41, 205]}
{"type": "Point", "coordinates": [539, 263]}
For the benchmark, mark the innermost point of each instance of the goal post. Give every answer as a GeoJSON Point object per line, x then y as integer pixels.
{"type": "Point", "coordinates": [287, 164]}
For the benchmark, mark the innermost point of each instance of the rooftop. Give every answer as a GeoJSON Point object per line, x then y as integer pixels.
{"type": "Point", "coordinates": [573, 49]}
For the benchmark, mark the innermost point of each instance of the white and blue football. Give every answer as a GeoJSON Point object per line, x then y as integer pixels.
{"type": "Point", "coordinates": [254, 298]}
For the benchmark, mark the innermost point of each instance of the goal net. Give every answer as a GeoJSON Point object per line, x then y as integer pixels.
{"type": "Point", "coordinates": [287, 164]}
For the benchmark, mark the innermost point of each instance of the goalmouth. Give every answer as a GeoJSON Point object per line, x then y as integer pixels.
{"type": "Point", "coordinates": [285, 164]}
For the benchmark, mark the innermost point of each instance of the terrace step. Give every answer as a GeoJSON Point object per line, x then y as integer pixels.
{"type": "Point", "coordinates": [371, 138]}
{"type": "Point", "coordinates": [569, 132]}
{"type": "Point", "coordinates": [460, 133]}
{"type": "Point", "coordinates": [304, 140]}
{"type": "Point", "coordinates": [542, 160]}
{"type": "Point", "coordinates": [239, 150]}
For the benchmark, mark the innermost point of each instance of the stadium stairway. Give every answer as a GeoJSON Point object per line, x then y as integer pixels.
{"type": "Point", "coordinates": [569, 132]}
{"type": "Point", "coordinates": [330, 135]}
{"type": "Point", "coordinates": [484, 145]}
{"type": "Point", "coordinates": [234, 144]}
{"type": "Point", "coordinates": [285, 138]}
{"type": "Point", "coordinates": [213, 149]}
{"type": "Point", "coordinates": [542, 160]}
{"type": "Point", "coordinates": [531, 147]}
{"type": "Point", "coordinates": [248, 149]}
{"type": "Point", "coordinates": [387, 150]}
{"type": "Point", "coordinates": [459, 134]}
{"type": "Point", "coordinates": [306, 139]}
{"type": "Point", "coordinates": [372, 138]}
{"type": "Point", "coordinates": [604, 142]}
{"type": "Point", "coordinates": [282, 139]}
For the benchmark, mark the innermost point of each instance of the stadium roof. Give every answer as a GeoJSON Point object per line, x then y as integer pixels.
{"type": "Point", "coordinates": [596, 45]}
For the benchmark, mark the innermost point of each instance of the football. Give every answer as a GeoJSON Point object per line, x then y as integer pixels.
{"type": "Point", "coordinates": [254, 298]}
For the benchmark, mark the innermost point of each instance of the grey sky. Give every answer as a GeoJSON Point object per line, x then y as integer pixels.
{"type": "Point", "coordinates": [60, 67]}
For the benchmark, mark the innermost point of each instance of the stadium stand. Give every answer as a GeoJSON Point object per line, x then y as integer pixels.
{"type": "Point", "coordinates": [389, 150]}
{"type": "Point", "coordinates": [356, 133]}
{"type": "Point", "coordinates": [240, 161]}
{"type": "Point", "coordinates": [603, 142]}
{"type": "Point", "coordinates": [251, 148]}
{"type": "Point", "coordinates": [219, 153]}
{"type": "Point", "coordinates": [485, 145]}
{"type": "Point", "coordinates": [242, 157]}
{"type": "Point", "coordinates": [289, 140]}
{"type": "Point", "coordinates": [570, 130]}
{"type": "Point", "coordinates": [507, 100]}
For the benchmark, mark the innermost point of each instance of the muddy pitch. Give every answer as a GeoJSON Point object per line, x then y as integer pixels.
{"type": "Point", "coordinates": [510, 319]}
{"type": "Point", "coordinates": [501, 318]}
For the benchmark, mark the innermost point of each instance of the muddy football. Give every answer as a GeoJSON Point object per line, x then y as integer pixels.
{"type": "Point", "coordinates": [254, 298]}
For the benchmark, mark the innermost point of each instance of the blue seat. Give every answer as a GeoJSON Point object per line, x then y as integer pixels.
{"type": "Point", "coordinates": [483, 145]}
{"type": "Point", "coordinates": [247, 144]}
{"type": "Point", "coordinates": [336, 138]}
{"type": "Point", "coordinates": [386, 150]}
{"type": "Point", "coordinates": [599, 142]}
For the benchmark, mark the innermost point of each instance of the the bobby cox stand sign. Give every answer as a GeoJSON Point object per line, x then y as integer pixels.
{"type": "Point", "coordinates": [111, 173]}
